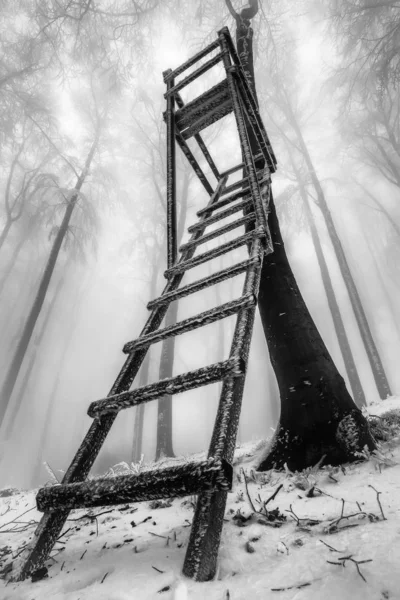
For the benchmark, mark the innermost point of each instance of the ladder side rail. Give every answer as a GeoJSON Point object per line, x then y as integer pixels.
{"type": "Point", "coordinates": [255, 119]}
{"type": "Point", "coordinates": [202, 552]}
{"type": "Point", "coordinates": [191, 61]}
{"type": "Point", "coordinates": [200, 142]}
{"type": "Point", "coordinates": [247, 154]}
{"type": "Point", "coordinates": [195, 75]}
{"type": "Point", "coordinates": [172, 245]}
{"type": "Point", "coordinates": [193, 162]}
{"type": "Point", "coordinates": [237, 62]}
{"type": "Point", "coordinates": [221, 446]}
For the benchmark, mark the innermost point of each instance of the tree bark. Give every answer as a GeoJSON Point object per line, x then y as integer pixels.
{"type": "Point", "coordinates": [33, 316]}
{"type": "Point", "coordinates": [318, 416]}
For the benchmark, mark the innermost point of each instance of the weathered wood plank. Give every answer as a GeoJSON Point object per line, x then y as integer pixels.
{"type": "Point", "coordinates": [170, 386]}
{"type": "Point", "coordinates": [171, 482]}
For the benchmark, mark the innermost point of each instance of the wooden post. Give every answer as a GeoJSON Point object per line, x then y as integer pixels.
{"type": "Point", "coordinates": [171, 174]}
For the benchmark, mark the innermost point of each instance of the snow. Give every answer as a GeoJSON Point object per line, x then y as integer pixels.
{"type": "Point", "coordinates": [137, 551]}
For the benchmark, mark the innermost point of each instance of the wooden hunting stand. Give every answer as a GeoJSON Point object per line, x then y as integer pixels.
{"type": "Point", "coordinates": [212, 478]}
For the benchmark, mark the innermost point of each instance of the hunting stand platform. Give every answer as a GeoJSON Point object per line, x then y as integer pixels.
{"type": "Point", "coordinates": [210, 479]}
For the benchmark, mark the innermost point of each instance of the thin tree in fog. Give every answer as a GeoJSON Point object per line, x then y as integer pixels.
{"type": "Point", "coordinates": [58, 371]}
{"type": "Point", "coordinates": [70, 198]}
{"type": "Point", "coordinates": [341, 334]}
{"type": "Point", "coordinates": [317, 411]}
{"type": "Point", "coordinates": [38, 339]}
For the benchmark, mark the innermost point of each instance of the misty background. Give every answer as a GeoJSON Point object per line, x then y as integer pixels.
{"type": "Point", "coordinates": [73, 81]}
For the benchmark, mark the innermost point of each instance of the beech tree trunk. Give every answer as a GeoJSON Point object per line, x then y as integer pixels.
{"type": "Point", "coordinates": [34, 313]}
{"type": "Point", "coordinates": [318, 416]}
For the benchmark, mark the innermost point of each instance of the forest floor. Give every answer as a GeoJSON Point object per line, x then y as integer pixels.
{"type": "Point", "coordinates": [328, 533]}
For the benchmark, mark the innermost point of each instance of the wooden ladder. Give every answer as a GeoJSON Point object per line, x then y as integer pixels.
{"type": "Point", "coordinates": [210, 479]}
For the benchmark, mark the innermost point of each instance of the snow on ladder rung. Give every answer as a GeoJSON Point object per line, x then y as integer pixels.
{"type": "Point", "coordinates": [221, 215]}
{"type": "Point", "coordinates": [215, 252]}
{"type": "Point", "coordinates": [218, 232]}
{"type": "Point", "coordinates": [232, 367]}
{"type": "Point", "coordinates": [205, 318]}
{"type": "Point", "coordinates": [203, 283]}
{"type": "Point", "coordinates": [224, 201]}
{"type": "Point", "coordinates": [171, 482]}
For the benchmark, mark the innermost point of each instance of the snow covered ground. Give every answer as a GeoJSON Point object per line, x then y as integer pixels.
{"type": "Point", "coordinates": [298, 547]}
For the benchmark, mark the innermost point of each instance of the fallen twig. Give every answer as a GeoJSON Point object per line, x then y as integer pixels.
{"type": "Point", "coordinates": [278, 489]}
{"type": "Point", "coordinates": [343, 560]}
{"type": "Point", "coordinates": [379, 502]}
{"type": "Point", "coordinates": [158, 570]}
{"type": "Point", "coordinates": [247, 492]}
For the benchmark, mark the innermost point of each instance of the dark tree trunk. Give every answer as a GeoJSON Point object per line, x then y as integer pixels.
{"type": "Point", "coordinates": [374, 358]}
{"type": "Point", "coordinates": [318, 416]}
{"type": "Point", "coordinates": [33, 316]}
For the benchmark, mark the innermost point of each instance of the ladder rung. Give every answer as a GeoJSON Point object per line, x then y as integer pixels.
{"type": "Point", "coordinates": [171, 482]}
{"type": "Point", "coordinates": [191, 61]}
{"type": "Point", "coordinates": [197, 73]}
{"type": "Point", "coordinates": [243, 182]}
{"type": "Point", "coordinates": [203, 283]}
{"type": "Point", "coordinates": [215, 252]}
{"type": "Point", "coordinates": [221, 215]}
{"type": "Point", "coordinates": [224, 202]}
{"type": "Point", "coordinates": [205, 318]}
{"type": "Point", "coordinates": [170, 386]}
{"type": "Point", "coordinates": [218, 232]}
{"type": "Point", "coordinates": [241, 165]}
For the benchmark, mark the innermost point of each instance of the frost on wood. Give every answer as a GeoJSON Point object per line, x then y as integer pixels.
{"type": "Point", "coordinates": [181, 480]}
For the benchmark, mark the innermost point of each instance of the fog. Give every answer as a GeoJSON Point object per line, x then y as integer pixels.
{"type": "Point", "coordinates": [107, 70]}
